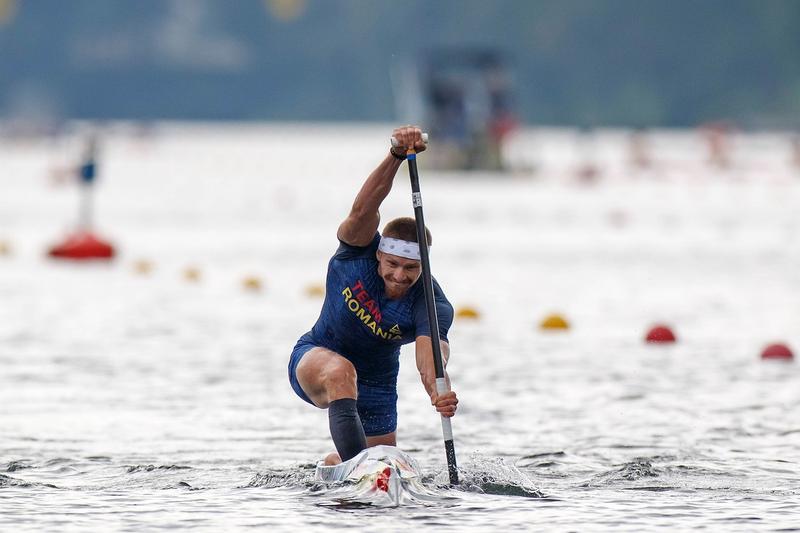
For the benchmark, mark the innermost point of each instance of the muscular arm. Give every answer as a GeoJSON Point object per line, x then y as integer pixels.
{"type": "Point", "coordinates": [447, 402]}
{"type": "Point", "coordinates": [427, 372]}
{"type": "Point", "coordinates": [360, 226]}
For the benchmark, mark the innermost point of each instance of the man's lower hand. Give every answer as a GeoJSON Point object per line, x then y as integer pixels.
{"type": "Point", "coordinates": [445, 404]}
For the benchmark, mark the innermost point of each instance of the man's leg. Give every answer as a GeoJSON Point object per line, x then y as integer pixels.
{"type": "Point", "coordinates": [329, 380]}
{"type": "Point", "coordinates": [389, 439]}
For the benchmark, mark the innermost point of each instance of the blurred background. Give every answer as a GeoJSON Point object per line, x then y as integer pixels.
{"type": "Point", "coordinates": [568, 62]}
{"type": "Point", "coordinates": [613, 187]}
{"type": "Point", "coordinates": [473, 72]}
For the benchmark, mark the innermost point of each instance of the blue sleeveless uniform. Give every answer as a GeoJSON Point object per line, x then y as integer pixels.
{"type": "Point", "coordinates": [359, 322]}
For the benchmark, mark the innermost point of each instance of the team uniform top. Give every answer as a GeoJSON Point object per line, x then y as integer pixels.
{"type": "Point", "coordinates": [359, 322]}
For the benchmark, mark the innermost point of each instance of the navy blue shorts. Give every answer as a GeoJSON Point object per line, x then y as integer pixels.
{"type": "Point", "coordinates": [377, 403]}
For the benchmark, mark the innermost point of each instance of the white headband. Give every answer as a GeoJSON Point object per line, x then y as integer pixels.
{"type": "Point", "coordinates": [409, 250]}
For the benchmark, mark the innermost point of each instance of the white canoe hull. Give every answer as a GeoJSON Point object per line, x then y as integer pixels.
{"type": "Point", "coordinates": [380, 472]}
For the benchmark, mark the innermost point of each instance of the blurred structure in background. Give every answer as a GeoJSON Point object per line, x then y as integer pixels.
{"type": "Point", "coordinates": [639, 150]}
{"type": "Point", "coordinates": [587, 169]}
{"type": "Point", "coordinates": [717, 136]}
{"type": "Point", "coordinates": [576, 64]}
{"type": "Point", "coordinates": [83, 243]}
{"type": "Point", "coordinates": [465, 97]}
{"type": "Point", "coordinates": [795, 141]}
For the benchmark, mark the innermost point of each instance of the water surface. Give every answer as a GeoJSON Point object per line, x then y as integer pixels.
{"type": "Point", "coordinates": [132, 402]}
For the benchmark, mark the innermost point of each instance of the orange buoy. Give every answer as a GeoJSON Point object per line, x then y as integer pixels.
{"type": "Point", "coordinates": [554, 321]}
{"type": "Point", "coordinates": [777, 352]}
{"type": "Point", "coordinates": [660, 334]}
{"type": "Point", "coordinates": [81, 246]}
{"type": "Point", "coordinates": [467, 312]}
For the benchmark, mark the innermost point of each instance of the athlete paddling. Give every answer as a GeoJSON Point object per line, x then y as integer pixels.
{"type": "Point", "coordinates": [348, 362]}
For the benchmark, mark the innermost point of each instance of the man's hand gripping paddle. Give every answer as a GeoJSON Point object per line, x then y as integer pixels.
{"type": "Point", "coordinates": [427, 280]}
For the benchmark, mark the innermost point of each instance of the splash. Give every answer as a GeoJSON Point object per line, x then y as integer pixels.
{"type": "Point", "coordinates": [302, 477]}
{"type": "Point", "coordinates": [8, 481]}
{"type": "Point", "coordinates": [487, 475]}
{"type": "Point", "coordinates": [482, 475]}
{"type": "Point", "coordinates": [639, 469]}
{"type": "Point", "coordinates": [13, 466]}
{"type": "Point", "coordinates": [150, 468]}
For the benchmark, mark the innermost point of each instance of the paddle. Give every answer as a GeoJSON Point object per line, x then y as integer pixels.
{"type": "Point", "coordinates": [427, 283]}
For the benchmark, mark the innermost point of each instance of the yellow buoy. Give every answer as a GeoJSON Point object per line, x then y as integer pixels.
{"type": "Point", "coordinates": [143, 267]}
{"type": "Point", "coordinates": [315, 290]}
{"type": "Point", "coordinates": [468, 312]}
{"type": "Point", "coordinates": [191, 274]}
{"type": "Point", "coordinates": [554, 321]}
{"type": "Point", "coordinates": [5, 248]}
{"type": "Point", "coordinates": [251, 283]}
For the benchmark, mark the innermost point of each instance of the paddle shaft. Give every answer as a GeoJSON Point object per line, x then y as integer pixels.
{"type": "Point", "coordinates": [427, 283]}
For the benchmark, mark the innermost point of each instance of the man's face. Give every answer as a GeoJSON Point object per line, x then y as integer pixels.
{"type": "Point", "coordinates": [398, 273]}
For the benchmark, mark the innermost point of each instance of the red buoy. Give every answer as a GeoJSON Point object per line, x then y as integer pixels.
{"type": "Point", "coordinates": [81, 246]}
{"type": "Point", "coordinates": [660, 334]}
{"type": "Point", "coordinates": [777, 351]}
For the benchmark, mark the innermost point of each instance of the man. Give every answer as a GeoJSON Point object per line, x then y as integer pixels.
{"type": "Point", "coordinates": [348, 362]}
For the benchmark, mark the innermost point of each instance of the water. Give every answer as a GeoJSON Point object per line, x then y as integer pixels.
{"type": "Point", "coordinates": [131, 402]}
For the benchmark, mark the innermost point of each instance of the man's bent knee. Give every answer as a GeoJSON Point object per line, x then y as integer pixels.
{"type": "Point", "coordinates": [326, 376]}
{"type": "Point", "coordinates": [339, 379]}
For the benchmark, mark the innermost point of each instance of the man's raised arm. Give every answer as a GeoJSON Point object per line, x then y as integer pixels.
{"type": "Point", "coordinates": [360, 226]}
